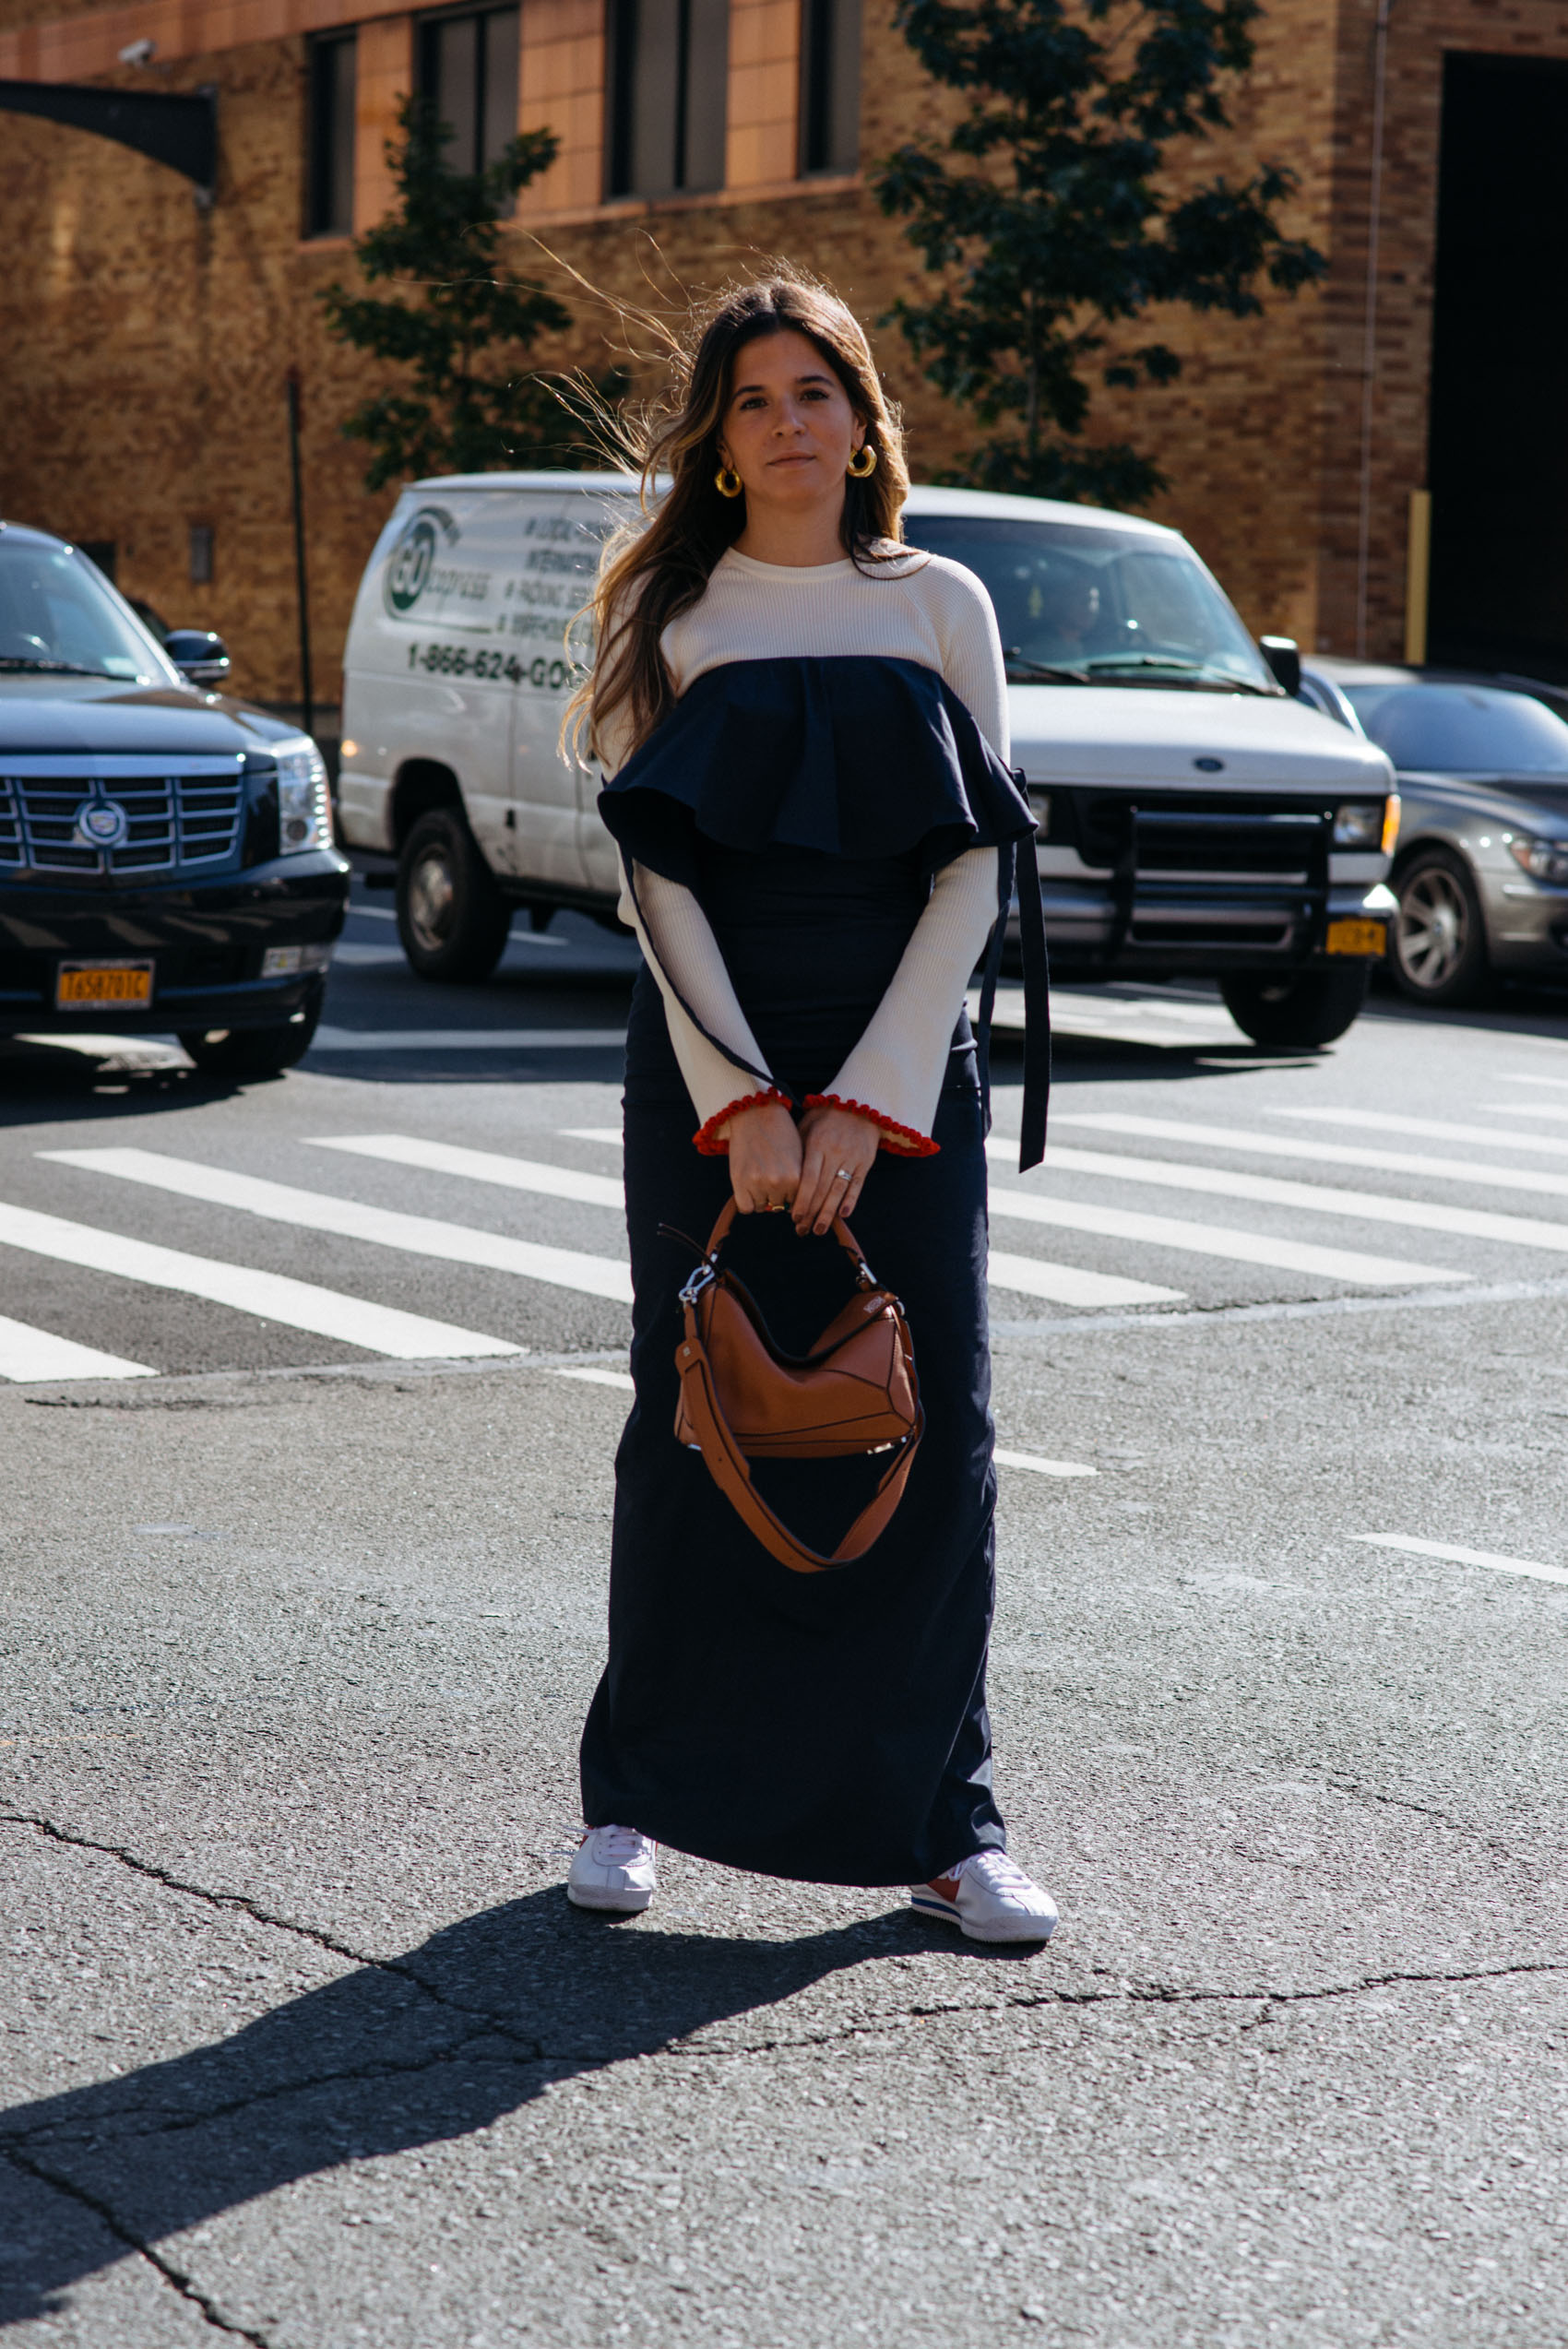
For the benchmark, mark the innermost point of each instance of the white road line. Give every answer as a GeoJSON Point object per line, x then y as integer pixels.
{"type": "Point", "coordinates": [1330, 1154]}
{"type": "Point", "coordinates": [1218, 1239]}
{"type": "Point", "coordinates": [466, 1039]}
{"type": "Point", "coordinates": [1061, 1283]}
{"type": "Point", "coordinates": [610, 1134]}
{"type": "Point", "coordinates": [26, 1353]}
{"type": "Point", "coordinates": [1518, 1076]}
{"type": "Point", "coordinates": [350, 955]}
{"type": "Point", "coordinates": [358, 912]}
{"type": "Point", "coordinates": [1430, 1129]}
{"type": "Point", "coordinates": [621, 1379]}
{"type": "Point", "coordinates": [271, 1297]}
{"type": "Point", "coordinates": [1070, 1284]}
{"type": "Point", "coordinates": [315, 1211]}
{"type": "Point", "coordinates": [481, 1166]}
{"type": "Point", "coordinates": [1526, 1109]}
{"type": "Point", "coordinates": [1452, 1551]}
{"type": "Point", "coordinates": [1043, 1467]}
{"type": "Point", "coordinates": [1317, 1199]}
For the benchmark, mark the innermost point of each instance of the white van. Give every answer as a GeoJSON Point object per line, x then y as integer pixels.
{"type": "Point", "coordinates": [1194, 818]}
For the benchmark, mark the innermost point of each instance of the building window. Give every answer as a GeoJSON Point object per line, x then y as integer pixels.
{"type": "Point", "coordinates": [468, 74]}
{"type": "Point", "coordinates": [830, 86]}
{"type": "Point", "coordinates": [668, 78]}
{"type": "Point", "coordinates": [198, 542]}
{"type": "Point", "coordinates": [103, 553]}
{"type": "Point", "coordinates": [330, 208]}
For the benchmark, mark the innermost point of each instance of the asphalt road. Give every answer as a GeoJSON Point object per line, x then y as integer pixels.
{"type": "Point", "coordinates": [304, 1603]}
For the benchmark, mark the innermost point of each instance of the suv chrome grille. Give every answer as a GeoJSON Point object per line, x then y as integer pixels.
{"type": "Point", "coordinates": [167, 823]}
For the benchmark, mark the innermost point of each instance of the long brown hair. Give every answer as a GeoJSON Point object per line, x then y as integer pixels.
{"type": "Point", "coordinates": [659, 567]}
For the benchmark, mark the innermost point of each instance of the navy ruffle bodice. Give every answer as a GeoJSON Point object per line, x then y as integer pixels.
{"type": "Point", "coordinates": [853, 755]}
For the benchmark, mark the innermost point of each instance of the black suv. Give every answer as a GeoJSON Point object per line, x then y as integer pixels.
{"type": "Point", "coordinates": [166, 857]}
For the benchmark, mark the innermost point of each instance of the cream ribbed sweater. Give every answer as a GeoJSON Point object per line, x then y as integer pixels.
{"type": "Point", "coordinates": [922, 609]}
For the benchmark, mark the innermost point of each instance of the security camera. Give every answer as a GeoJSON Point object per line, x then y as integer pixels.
{"type": "Point", "coordinates": [140, 52]}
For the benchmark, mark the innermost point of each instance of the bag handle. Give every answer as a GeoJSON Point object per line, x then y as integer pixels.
{"type": "Point", "coordinates": [864, 1276]}
{"type": "Point", "coordinates": [730, 1471]}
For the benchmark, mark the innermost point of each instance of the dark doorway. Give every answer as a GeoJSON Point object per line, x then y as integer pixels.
{"type": "Point", "coordinates": [1499, 454]}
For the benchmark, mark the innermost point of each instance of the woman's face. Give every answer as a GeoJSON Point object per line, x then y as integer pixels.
{"type": "Point", "coordinates": [788, 428]}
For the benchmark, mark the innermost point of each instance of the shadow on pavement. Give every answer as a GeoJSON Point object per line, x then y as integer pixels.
{"type": "Point", "coordinates": [431, 2045]}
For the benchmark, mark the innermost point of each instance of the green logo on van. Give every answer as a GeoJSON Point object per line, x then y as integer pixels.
{"type": "Point", "coordinates": [412, 558]}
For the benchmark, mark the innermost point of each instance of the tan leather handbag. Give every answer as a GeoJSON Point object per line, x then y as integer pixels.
{"type": "Point", "coordinates": [742, 1398]}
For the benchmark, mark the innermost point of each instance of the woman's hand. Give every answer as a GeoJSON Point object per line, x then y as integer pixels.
{"type": "Point", "coordinates": [764, 1158]}
{"type": "Point", "coordinates": [839, 1150]}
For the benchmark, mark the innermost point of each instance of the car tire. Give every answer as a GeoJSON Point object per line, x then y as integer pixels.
{"type": "Point", "coordinates": [253, 1052]}
{"type": "Point", "coordinates": [1437, 951]}
{"type": "Point", "coordinates": [452, 919]}
{"type": "Point", "coordinates": [1299, 1014]}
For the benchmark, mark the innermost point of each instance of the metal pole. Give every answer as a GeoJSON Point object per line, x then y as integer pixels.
{"type": "Point", "coordinates": [301, 591]}
{"type": "Point", "coordinates": [1368, 350]}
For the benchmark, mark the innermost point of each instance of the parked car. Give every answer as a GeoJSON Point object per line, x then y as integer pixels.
{"type": "Point", "coordinates": [1195, 818]}
{"type": "Point", "coordinates": [1481, 875]}
{"type": "Point", "coordinates": [166, 857]}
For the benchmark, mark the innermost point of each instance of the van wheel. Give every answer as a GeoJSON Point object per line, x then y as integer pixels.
{"type": "Point", "coordinates": [1439, 948]}
{"type": "Point", "coordinates": [253, 1052]}
{"type": "Point", "coordinates": [452, 919]}
{"type": "Point", "coordinates": [1297, 1015]}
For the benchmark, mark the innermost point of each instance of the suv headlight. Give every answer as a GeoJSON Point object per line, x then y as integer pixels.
{"type": "Point", "coordinates": [1542, 860]}
{"type": "Point", "coordinates": [304, 802]}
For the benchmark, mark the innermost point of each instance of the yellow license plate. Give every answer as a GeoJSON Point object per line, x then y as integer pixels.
{"type": "Point", "coordinates": [122, 986]}
{"type": "Point", "coordinates": [1356, 938]}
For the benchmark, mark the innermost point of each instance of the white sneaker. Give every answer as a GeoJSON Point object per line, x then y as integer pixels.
{"type": "Point", "coordinates": [989, 1900]}
{"type": "Point", "coordinates": [615, 1868]}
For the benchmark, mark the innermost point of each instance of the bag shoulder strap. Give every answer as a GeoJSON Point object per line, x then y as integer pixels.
{"type": "Point", "coordinates": [731, 1473]}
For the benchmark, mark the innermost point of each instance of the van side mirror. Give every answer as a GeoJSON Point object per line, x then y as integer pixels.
{"type": "Point", "coordinates": [200, 654]}
{"type": "Point", "coordinates": [1283, 655]}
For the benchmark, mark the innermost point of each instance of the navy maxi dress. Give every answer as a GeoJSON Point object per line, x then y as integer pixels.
{"type": "Point", "coordinates": [830, 1728]}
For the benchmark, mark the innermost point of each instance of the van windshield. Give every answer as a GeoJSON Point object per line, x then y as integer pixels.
{"type": "Point", "coordinates": [57, 615]}
{"type": "Point", "coordinates": [1085, 606]}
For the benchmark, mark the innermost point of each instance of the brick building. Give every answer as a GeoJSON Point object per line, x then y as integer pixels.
{"type": "Point", "coordinates": [147, 338]}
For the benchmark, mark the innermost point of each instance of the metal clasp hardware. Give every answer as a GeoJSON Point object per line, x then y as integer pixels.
{"type": "Point", "coordinates": [702, 1278]}
{"type": "Point", "coordinates": [864, 1274]}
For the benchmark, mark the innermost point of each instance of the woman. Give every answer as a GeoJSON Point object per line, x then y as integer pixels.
{"type": "Point", "coordinates": [804, 727]}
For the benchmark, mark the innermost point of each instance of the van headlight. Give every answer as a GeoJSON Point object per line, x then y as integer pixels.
{"type": "Point", "coordinates": [304, 802]}
{"type": "Point", "coordinates": [1542, 860]}
{"type": "Point", "coordinates": [1358, 824]}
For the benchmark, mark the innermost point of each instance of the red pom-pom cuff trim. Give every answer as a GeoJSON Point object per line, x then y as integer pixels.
{"type": "Point", "coordinates": [708, 1138]}
{"type": "Point", "coordinates": [911, 1143]}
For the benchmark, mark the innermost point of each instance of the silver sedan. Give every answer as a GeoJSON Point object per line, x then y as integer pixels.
{"type": "Point", "coordinates": [1481, 871]}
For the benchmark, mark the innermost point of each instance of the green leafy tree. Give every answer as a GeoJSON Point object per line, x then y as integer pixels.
{"type": "Point", "coordinates": [459, 322]}
{"type": "Point", "coordinates": [1048, 219]}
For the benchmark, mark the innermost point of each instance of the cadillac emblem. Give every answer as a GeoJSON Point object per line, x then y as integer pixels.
{"type": "Point", "coordinates": [102, 823]}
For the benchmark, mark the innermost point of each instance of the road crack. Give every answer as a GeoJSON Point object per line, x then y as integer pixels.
{"type": "Point", "coordinates": [157, 2260]}
{"type": "Point", "coordinates": [241, 1903]}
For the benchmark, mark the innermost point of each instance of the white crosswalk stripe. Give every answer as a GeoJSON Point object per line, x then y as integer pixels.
{"type": "Point", "coordinates": [1029, 1275]}
{"type": "Point", "coordinates": [1316, 1199]}
{"type": "Point", "coordinates": [466, 1040]}
{"type": "Point", "coordinates": [1219, 1240]}
{"type": "Point", "coordinates": [482, 1165]}
{"type": "Point", "coordinates": [272, 1296]}
{"type": "Point", "coordinates": [1427, 1128]}
{"type": "Point", "coordinates": [27, 1354]}
{"type": "Point", "coordinates": [1325, 1154]}
{"type": "Point", "coordinates": [384, 1228]}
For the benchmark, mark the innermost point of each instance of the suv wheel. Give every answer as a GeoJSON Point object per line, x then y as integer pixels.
{"type": "Point", "coordinates": [1299, 1014]}
{"type": "Point", "coordinates": [253, 1052]}
{"type": "Point", "coordinates": [452, 919]}
{"type": "Point", "coordinates": [1439, 950]}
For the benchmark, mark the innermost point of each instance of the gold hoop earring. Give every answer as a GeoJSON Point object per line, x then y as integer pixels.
{"type": "Point", "coordinates": [727, 481]}
{"type": "Point", "coordinates": [863, 465]}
